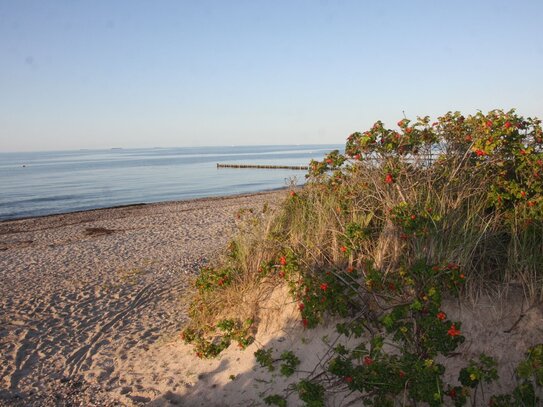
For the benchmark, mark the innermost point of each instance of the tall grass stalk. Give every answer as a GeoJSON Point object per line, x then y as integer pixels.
{"type": "Point", "coordinates": [464, 191]}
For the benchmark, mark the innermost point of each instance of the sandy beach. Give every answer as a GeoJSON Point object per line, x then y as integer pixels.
{"type": "Point", "coordinates": [82, 292]}
{"type": "Point", "coordinates": [92, 304]}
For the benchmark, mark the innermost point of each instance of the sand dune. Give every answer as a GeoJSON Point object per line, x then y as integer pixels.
{"type": "Point", "coordinates": [91, 306]}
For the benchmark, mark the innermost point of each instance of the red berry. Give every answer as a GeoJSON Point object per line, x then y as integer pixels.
{"type": "Point", "coordinates": [452, 266]}
{"type": "Point", "coordinates": [453, 331]}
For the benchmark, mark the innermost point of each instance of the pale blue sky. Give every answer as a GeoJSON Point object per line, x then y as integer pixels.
{"type": "Point", "coordinates": [113, 73]}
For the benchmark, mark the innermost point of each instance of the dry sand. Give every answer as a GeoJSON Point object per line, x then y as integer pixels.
{"type": "Point", "coordinates": [91, 305]}
{"type": "Point", "coordinates": [82, 292]}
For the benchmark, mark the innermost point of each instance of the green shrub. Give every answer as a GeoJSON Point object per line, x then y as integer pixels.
{"type": "Point", "coordinates": [378, 236]}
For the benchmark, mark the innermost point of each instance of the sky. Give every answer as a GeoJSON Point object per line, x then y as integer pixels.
{"type": "Point", "coordinates": [132, 73]}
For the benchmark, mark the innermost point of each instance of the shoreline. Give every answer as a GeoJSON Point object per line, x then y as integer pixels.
{"type": "Point", "coordinates": [141, 204]}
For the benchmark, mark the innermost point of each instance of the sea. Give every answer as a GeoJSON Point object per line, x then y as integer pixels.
{"type": "Point", "coordinates": [45, 183]}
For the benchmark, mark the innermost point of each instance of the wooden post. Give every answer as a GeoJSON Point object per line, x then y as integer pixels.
{"type": "Point", "coordinates": [268, 167]}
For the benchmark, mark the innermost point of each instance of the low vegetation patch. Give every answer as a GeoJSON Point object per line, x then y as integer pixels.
{"type": "Point", "coordinates": [378, 237]}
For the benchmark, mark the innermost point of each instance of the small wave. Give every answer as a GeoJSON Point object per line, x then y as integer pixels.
{"type": "Point", "coordinates": [44, 199]}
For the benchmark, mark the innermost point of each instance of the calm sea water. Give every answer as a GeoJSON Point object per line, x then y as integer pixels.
{"type": "Point", "coordinates": [43, 183]}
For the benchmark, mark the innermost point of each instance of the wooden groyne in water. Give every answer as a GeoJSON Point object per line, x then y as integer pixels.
{"type": "Point", "coordinates": [266, 167]}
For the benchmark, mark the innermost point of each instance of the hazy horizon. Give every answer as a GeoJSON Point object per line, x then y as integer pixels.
{"type": "Point", "coordinates": [174, 147]}
{"type": "Point", "coordinates": [134, 74]}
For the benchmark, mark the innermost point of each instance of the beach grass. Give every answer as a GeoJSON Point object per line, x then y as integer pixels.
{"type": "Point", "coordinates": [461, 197]}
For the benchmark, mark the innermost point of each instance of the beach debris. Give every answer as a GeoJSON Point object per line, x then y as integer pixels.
{"type": "Point", "coordinates": [98, 231]}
